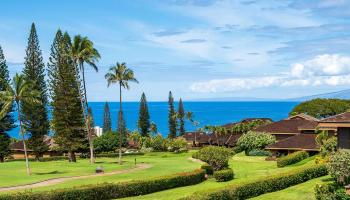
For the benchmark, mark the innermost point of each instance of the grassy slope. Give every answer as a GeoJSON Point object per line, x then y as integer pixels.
{"type": "Point", "coordinates": [303, 191]}
{"type": "Point", "coordinates": [245, 168]}
{"type": "Point", "coordinates": [162, 164]}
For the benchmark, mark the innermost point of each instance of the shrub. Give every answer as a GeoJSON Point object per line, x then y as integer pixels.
{"type": "Point", "coordinates": [223, 175]}
{"type": "Point", "coordinates": [107, 142]}
{"type": "Point", "coordinates": [113, 190]}
{"type": "Point", "coordinates": [330, 191]}
{"type": "Point", "coordinates": [114, 155]}
{"type": "Point", "coordinates": [208, 169]}
{"type": "Point", "coordinates": [292, 158]}
{"type": "Point", "coordinates": [339, 167]}
{"type": "Point", "coordinates": [263, 185]}
{"type": "Point", "coordinates": [177, 144]}
{"type": "Point", "coordinates": [43, 159]}
{"type": "Point", "coordinates": [258, 152]}
{"type": "Point", "coordinates": [253, 140]}
{"type": "Point", "coordinates": [217, 157]}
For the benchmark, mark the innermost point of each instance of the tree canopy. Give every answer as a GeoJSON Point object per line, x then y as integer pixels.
{"type": "Point", "coordinates": [322, 108]}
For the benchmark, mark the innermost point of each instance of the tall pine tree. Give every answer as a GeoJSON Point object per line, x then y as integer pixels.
{"type": "Point", "coordinates": [67, 111]}
{"type": "Point", "coordinates": [171, 117]}
{"type": "Point", "coordinates": [34, 114]}
{"type": "Point", "coordinates": [6, 121]}
{"type": "Point", "coordinates": [181, 117]}
{"type": "Point", "coordinates": [144, 122]}
{"type": "Point", "coordinates": [107, 121]}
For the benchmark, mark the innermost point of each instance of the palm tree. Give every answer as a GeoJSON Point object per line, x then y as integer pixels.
{"type": "Point", "coordinates": [153, 128]}
{"type": "Point", "coordinates": [83, 51]}
{"type": "Point", "coordinates": [189, 116]}
{"type": "Point", "coordinates": [21, 91]}
{"type": "Point", "coordinates": [120, 74]}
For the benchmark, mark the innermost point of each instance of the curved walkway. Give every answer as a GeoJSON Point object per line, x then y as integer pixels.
{"type": "Point", "coordinates": [63, 179]}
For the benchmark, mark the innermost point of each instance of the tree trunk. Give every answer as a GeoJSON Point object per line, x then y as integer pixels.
{"type": "Point", "coordinates": [2, 159]}
{"type": "Point", "coordinates": [121, 129]}
{"type": "Point", "coordinates": [71, 156]}
{"type": "Point", "coordinates": [23, 141]}
{"type": "Point", "coordinates": [87, 123]}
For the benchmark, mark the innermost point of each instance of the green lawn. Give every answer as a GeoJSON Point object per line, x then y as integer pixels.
{"type": "Point", "coordinates": [303, 191]}
{"type": "Point", "coordinates": [162, 164]}
{"type": "Point", "coordinates": [245, 169]}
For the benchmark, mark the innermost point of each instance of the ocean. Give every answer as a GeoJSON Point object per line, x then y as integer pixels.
{"type": "Point", "coordinates": [213, 113]}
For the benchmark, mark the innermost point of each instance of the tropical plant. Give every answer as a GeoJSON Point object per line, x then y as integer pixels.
{"type": "Point", "coordinates": [120, 74]}
{"type": "Point", "coordinates": [253, 140]}
{"type": "Point", "coordinates": [328, 144]}
{"type": "Point", "coordinates": [190, 117]}
{"type": "Point", "coordinates": [217, 157]}
{"type": "Point", "coordinates": [218, 131]}
{"type": "Point", "coordinates": [83, 51]}
{"type": "Point", "coordinates": [20, 91]}
{"type": "Point", "coordinates": [339, 167]}
{"type": "Point", "coordinates": [108, 142]}
{"type": "Point", "coordinates": [153, 128]}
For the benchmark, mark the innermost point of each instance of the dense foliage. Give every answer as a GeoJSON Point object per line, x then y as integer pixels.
{"type": "Point", "coordinates": [144, 122]}
{"type": "Point", "coordinates": [6, 121]}
{"type": "Point", "coordinates": [330, 191]}
{"type": "Point", "coordinates": [223, 175]}
{"type": "Point", "coordinates": [177, 144]}
{"type": "Point", "coordinates": [208, 169]}
{"type": "Point", "coordinates": [253, 140]}
{"type": "Point", "coordinates": [181, 117]}
{"type": "Point", "coordinates": [339, 167]}
{"type": "Point", "coordinates": [171, 117]}
{"type": "Point", "coordinates": [113, 190]}
{"type": "Point", "coordinates": [263, 185]}
{"type": "Point", "coordinates": [34, 114]}
{"type": "Point", "coordinates": [67, 109]}
{"type": "Point", "coordinates": [322, 108]}
{"type": "Point", "coordinates": [292, 158]}
{"type": "Point", "coordinates": [215, 156]}
{"type": "Point", "coordinates": [259, 152]}
{"type": "Point", "coordinates": [108, 142]}
{"type": "Point", "coordinates": [245, 127]}
{"type": "Point", "coordinates": [107, 121]}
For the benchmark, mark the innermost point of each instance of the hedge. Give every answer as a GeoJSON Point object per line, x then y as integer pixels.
{"type": "Point", "coordinates": [113, 190]}
{"type": "Point", "coordinates": [113, 155]}
{"type": "Point", "coordinates": [208, 169]}
{"type": "Point", "coordinates": [259, 152]}
{"type": "Point", "coordinates": [224, 175]}
{"type": "Point", "coordinates": [262, 185]}
{"type": "Point", "coordinates": [292, 158]}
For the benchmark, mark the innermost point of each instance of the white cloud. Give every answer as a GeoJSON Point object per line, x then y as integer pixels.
{"type": "Point", "coordinates": [330, 70]}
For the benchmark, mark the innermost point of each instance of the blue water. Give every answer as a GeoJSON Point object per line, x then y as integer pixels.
{"type": "Point", "coordinates": [213, 113]}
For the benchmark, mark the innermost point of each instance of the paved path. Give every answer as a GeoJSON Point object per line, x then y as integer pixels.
{"type": "Point", "coordinates": [63, 179]}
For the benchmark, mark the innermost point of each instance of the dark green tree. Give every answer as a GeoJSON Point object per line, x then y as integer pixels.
{"type": "Point", "coordinates": [67, 111]}
{"type": "Point", "coordinates": [181, 117]}
{"type": "Point", "coordinates": [144, 122]}
{"type": "Point", "coordinates": [35, 117]}
{"type": "Point", "coordinates": [322, 108]}
{"type": "Point", "coordinates": [6, 121]}
{"type": "Point", "coordinates": [171, 117]}
{"type": "Point", "coordinates": [107, 122]}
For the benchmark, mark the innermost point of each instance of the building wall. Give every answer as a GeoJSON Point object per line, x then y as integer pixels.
{"type": "Point", "coordinates": [344, 138]}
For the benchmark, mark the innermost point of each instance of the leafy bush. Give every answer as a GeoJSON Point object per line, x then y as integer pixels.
{"type": "Point", "coordinates": [263, 185]}
{"type": "Point", "coordinates": [107, 142]}
{"type": "Point", "coordinates": [43, 159]}
{"type": "Point", "coordinates": [113, 190]}
{"type": "Point", "coordinates": [217, 157]}
{"type": "Point", "coordinates": [208, 169]}
{"type": "Point", "coordinates": [223, 175]}
{"type": "Point", "coordinates": [114, 155]}
{"type": "Point", "coordinates": [259, 152]}
{"type": "Point", "coordinates": [339, 167]}
{"type": "Point", "coordinates": [292, 158]}
{"type": "Point", "coordinates": [330, 191]}
{"type": "Point", "coordinates": [177, 144]}
{"type": "Point", "coordinates": [253, 140]}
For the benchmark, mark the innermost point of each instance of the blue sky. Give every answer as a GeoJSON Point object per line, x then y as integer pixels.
{"type": "Point", "coordinates": [197, 49]}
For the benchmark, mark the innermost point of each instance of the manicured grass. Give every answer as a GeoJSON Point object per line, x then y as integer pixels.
{"type": "Point", "coordinates": [303, 191]}
{"type": "Point", "coordinates": [14, 173]}
{"type": "Point", "coordinates": [245, 169]}
{"type": "Point", "coordinates": [162, 164]}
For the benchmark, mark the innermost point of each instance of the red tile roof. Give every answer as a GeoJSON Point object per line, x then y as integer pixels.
{"type": "Point", "coordinates": [340, 118]}
{"type": "Point", "coordinates": [296, 142]}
